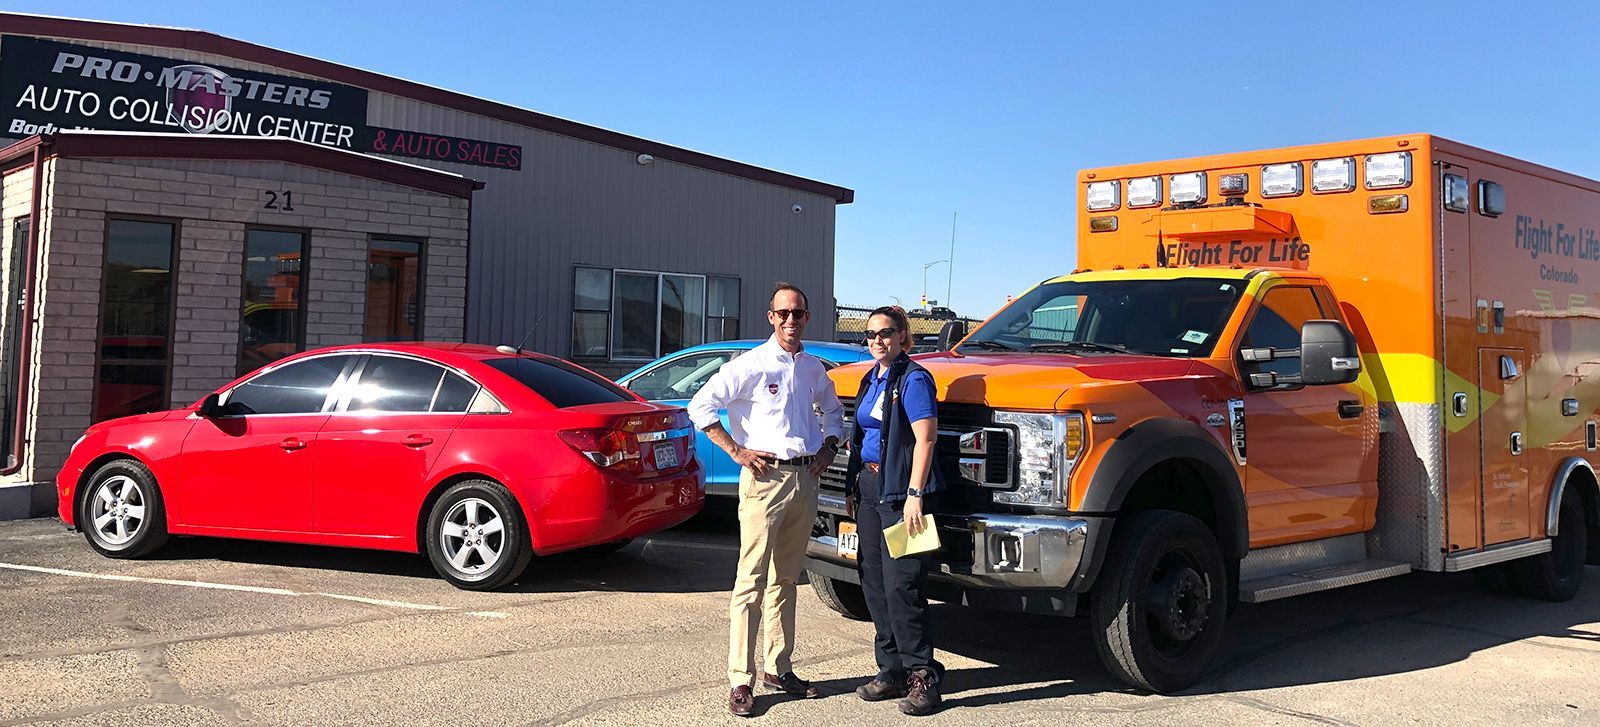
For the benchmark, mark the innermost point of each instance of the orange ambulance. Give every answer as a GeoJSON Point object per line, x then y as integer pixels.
{"type": "Point", "coordinates": [1274, 373]}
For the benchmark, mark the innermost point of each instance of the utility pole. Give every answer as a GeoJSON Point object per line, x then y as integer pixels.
{"type": "Point", "coordinates": [951, 273]}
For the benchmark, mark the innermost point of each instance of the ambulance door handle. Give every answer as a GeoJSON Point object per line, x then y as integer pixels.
{"type": "Point", "coordinates": [1350, 409]}
{"type": "Point", "coordinates": [1458, 404]}
{"type": "Point", "coordinates": [1516, 443]}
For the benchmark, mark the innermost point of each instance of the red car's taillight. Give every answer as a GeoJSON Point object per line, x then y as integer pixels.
{"type": "Point", "coordinates": [607, 448]}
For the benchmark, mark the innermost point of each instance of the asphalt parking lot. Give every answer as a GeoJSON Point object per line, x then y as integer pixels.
{"type": "Point", "coordinates": [221, 632]}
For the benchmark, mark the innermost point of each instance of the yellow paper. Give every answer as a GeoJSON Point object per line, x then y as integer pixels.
{"type": "Point", "coordinates": [902, 544]}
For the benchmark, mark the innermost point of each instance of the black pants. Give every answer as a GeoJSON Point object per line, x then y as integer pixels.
{"type": "Point", "coordinates": [894, 590]}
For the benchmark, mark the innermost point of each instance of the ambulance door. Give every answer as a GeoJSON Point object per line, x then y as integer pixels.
{"type": "Point", "coordinates": [1307, 475]}
{"type": "Point", "coordinates": [1502, 420]}
{"type": "Point", "coordinates": [1464, 330]}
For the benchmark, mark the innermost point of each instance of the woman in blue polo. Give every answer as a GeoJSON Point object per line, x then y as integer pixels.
{"type": "Point", "coordinates": [892, 477]}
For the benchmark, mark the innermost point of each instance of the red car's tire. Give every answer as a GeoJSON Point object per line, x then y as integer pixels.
{"type": "Point", "coordinates": [121, 512]}
{"type": "Point", "coordinates": [477, 537]}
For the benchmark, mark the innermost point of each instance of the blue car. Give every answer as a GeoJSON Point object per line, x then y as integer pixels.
{"type": "Point", "coordinates": [675, 378]}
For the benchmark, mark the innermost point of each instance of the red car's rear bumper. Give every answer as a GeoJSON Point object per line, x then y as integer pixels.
{"type": "Point", "coordinates": [601, 508]}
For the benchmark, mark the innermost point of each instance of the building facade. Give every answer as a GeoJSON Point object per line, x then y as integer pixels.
{"type": "Point", "coordinates": [586, 243]}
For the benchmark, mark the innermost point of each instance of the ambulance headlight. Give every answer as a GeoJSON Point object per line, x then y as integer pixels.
{"type": "Point", "coordinates": [1189, 187]}
{"type": "Point", "coordinates": [1102, 196]}
{"type": "Point", "coordinates": [1333, 175]}
{"type": "Point", "coordinates": [1282, 180]}
{"type": "Point", "coordinates": [1389, 171]}
{"type": "Point", "coordinates": [1144, 192]}
{"type": "Point", "coordinates": [1048, 447]}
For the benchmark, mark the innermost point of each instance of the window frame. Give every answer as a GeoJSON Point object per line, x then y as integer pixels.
{"type": "Point", "coordinates": [12, 366]}
{"type": "Point", "coordinates": [738, 308]}
{"type": "Point", "coordinates": [611, 276]}
{"type": "Point", "coordinates": [422, 283]}
{"type": "Point", "coordinates": [172, 307]}
{"type": "Point", "coordinates": [1244, 330]}
{"type": "Point", "coordinates": [301, 293]}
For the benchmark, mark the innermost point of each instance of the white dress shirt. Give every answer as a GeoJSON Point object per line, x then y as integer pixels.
{"type": "Point", "coordinates": [772, 397]}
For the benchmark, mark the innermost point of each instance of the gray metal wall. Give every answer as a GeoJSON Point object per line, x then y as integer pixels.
{"type": "Point", "coordinates": [576, 202]}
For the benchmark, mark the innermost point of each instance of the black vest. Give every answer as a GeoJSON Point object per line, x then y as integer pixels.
{"type": "Point", "coordinates": [899, 441]}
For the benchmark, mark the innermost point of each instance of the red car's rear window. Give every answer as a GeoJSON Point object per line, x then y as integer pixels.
{"type": "Point", "coordinates": [559, 382]}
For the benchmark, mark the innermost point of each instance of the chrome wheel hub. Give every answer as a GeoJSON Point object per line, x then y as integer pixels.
{"type": "Point", "coordinates": [116, 510]}
{"type": "Point", "coordinates": [472, 536]}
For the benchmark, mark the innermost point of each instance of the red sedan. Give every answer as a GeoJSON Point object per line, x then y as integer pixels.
{"type": "Point", "coordinates": [479, 457]}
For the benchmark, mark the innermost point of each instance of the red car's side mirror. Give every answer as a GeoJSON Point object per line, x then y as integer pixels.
{"type": "Point", "coordinates": [211, 406]}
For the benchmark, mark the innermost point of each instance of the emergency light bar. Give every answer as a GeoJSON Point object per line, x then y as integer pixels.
{"type": "Point", "coordinates": [1190, 187]}
{"type": "Point", "coordinates": [1144, 192]}
{"type": "Point", "coordinates": [1233, 185]}
{"type": "Point", "coordinates": [1282, 180]}
{"type": "Point", "coordinates": [1389, 171]}
{"type": "Point", "coordinates": [1333, 175]}
{"type": "Point", "coordinates": [1102, 196]}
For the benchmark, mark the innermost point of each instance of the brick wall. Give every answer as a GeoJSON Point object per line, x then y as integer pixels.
{"type": "Point", "coordinates": [213, 203]}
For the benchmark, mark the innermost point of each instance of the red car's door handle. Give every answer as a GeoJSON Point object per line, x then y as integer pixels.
{"type": "Point", "coordinates": [290, 444]}
{"type": "Point", "coordinates": [417, 440]}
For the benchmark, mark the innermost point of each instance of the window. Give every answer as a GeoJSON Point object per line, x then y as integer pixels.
{"type": "Point", "coordinates": [641, 315]}
{"type": "Point", "coordinates": [591, 312]}
{"type": "Point", "coordinates": [135, 318]}
{"type": "Point", "coordinates": [722, 309]}
{"type": "Point", "coordinates": [1157, 317]}
{"type": "Point", "coordinates": [1277, 325]}
{"type": "Point", "coordinates": [678, 378]}
{"type": "Point", "coordinates": [274, 288]}
{"type": "Point", "coordinates": [13, 287]}
{"type": "Point", "coordinates": [559, 382]}
{"type": "Point", "coordinates": [455, 394]}
{"type": "Point", "coordinates": [393, 383]}
{"type": "Point", "coordinates": [298, 388]}
{"type": "Point", "coordinates": [394, 298]}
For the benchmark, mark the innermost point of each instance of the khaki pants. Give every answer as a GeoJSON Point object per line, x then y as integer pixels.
{"type": "Point", "coordinates": [775, 517]}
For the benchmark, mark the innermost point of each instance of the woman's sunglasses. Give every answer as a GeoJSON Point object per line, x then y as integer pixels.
{"type": "Point", "coordinates": [884, 334]}
{"type": "Point", "coordinates": [797, 313]}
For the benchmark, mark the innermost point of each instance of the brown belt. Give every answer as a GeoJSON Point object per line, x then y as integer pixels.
{"type": "Point", "coordinates": [872, 466]}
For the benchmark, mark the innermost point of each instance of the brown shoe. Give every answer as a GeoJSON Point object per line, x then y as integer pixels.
{"type": "Point", "coordinates": [922, 696]}
{"type": "Point", "coordinates": [878, 690]}
{"type": "Point", "coordinates": [788, 683]}
{"type": "Point", "coordinates": [741, 702]}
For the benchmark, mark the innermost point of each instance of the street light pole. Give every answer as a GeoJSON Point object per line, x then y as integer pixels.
{"type": "Point", "coordinates": [925, 279]}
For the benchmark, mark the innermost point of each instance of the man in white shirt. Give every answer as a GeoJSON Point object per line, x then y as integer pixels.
{"type": "Point", "coordinates": [772, 393]}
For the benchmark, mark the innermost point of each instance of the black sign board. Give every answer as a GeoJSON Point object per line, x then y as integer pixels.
{"type": "Point", "coordinates": [47, 86]}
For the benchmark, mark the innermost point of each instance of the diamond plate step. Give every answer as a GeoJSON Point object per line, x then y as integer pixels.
{"type": "Point", "coordinates": [1325, 578]}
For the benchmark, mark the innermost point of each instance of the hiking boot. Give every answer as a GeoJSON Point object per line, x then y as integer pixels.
{"type": "Point", "coordinates": [922, 694]}
{"type": "Point", "coordinates": [878, 690]}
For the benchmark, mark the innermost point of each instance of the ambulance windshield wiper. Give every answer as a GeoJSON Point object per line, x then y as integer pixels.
{"type": "Point", "coordinates": [1078, 346]}
{"type": "Point", "coordinates": [991, 345]}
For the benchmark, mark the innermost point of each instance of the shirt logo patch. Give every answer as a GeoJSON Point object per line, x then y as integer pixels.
{"type": "Point", "coordinates": [772, 389]}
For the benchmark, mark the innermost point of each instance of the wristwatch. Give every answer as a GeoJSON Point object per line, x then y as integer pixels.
{"type": "Point", "coordinates": [913, 492]}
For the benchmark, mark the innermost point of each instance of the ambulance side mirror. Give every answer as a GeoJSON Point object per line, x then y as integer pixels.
{"type": "Point", "coordinates": [1328, 354]}
{"type": "Point", "coordinates": [951, 334]}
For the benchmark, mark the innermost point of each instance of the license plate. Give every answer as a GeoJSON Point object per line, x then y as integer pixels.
{"type": "Point", "coordinates": [849, 541]}
{"type": "Point", "coordinates": [666, 456]}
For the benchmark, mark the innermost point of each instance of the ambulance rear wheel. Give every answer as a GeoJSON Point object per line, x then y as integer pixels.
{"type": "Point", "coordinates": [1159, 608]}
{"type": "Point", "coordinates": [1558, 574]}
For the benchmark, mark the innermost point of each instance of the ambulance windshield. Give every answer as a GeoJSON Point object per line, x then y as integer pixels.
{"type": "Point", "coordinates": [1149, 317]}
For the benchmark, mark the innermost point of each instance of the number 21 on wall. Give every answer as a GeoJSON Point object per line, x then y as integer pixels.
{"type": "Point", "coordinates": [276, 200]}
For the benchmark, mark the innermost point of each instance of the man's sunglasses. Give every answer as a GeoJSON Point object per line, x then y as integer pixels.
{"type": "Point", "coordinates": [884, 334]}
{"type": "Point", "coordinates": [797, 313]}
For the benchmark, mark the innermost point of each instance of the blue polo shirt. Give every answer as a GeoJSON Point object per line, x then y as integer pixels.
{"type": "Point", "coordinates": [918, 402]}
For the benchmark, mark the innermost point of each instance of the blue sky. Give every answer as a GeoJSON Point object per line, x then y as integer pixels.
{"type": "Point", "coordinates": [985, 109]}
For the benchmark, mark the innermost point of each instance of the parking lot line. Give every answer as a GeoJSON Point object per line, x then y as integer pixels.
{"type": "Point", "coordinates": [247, 589]}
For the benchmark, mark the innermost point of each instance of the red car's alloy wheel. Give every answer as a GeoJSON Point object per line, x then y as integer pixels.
{"type": "Point", "coordinates": [116, 510]}
{"type": "Point", "coordinates": [473, 536]}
